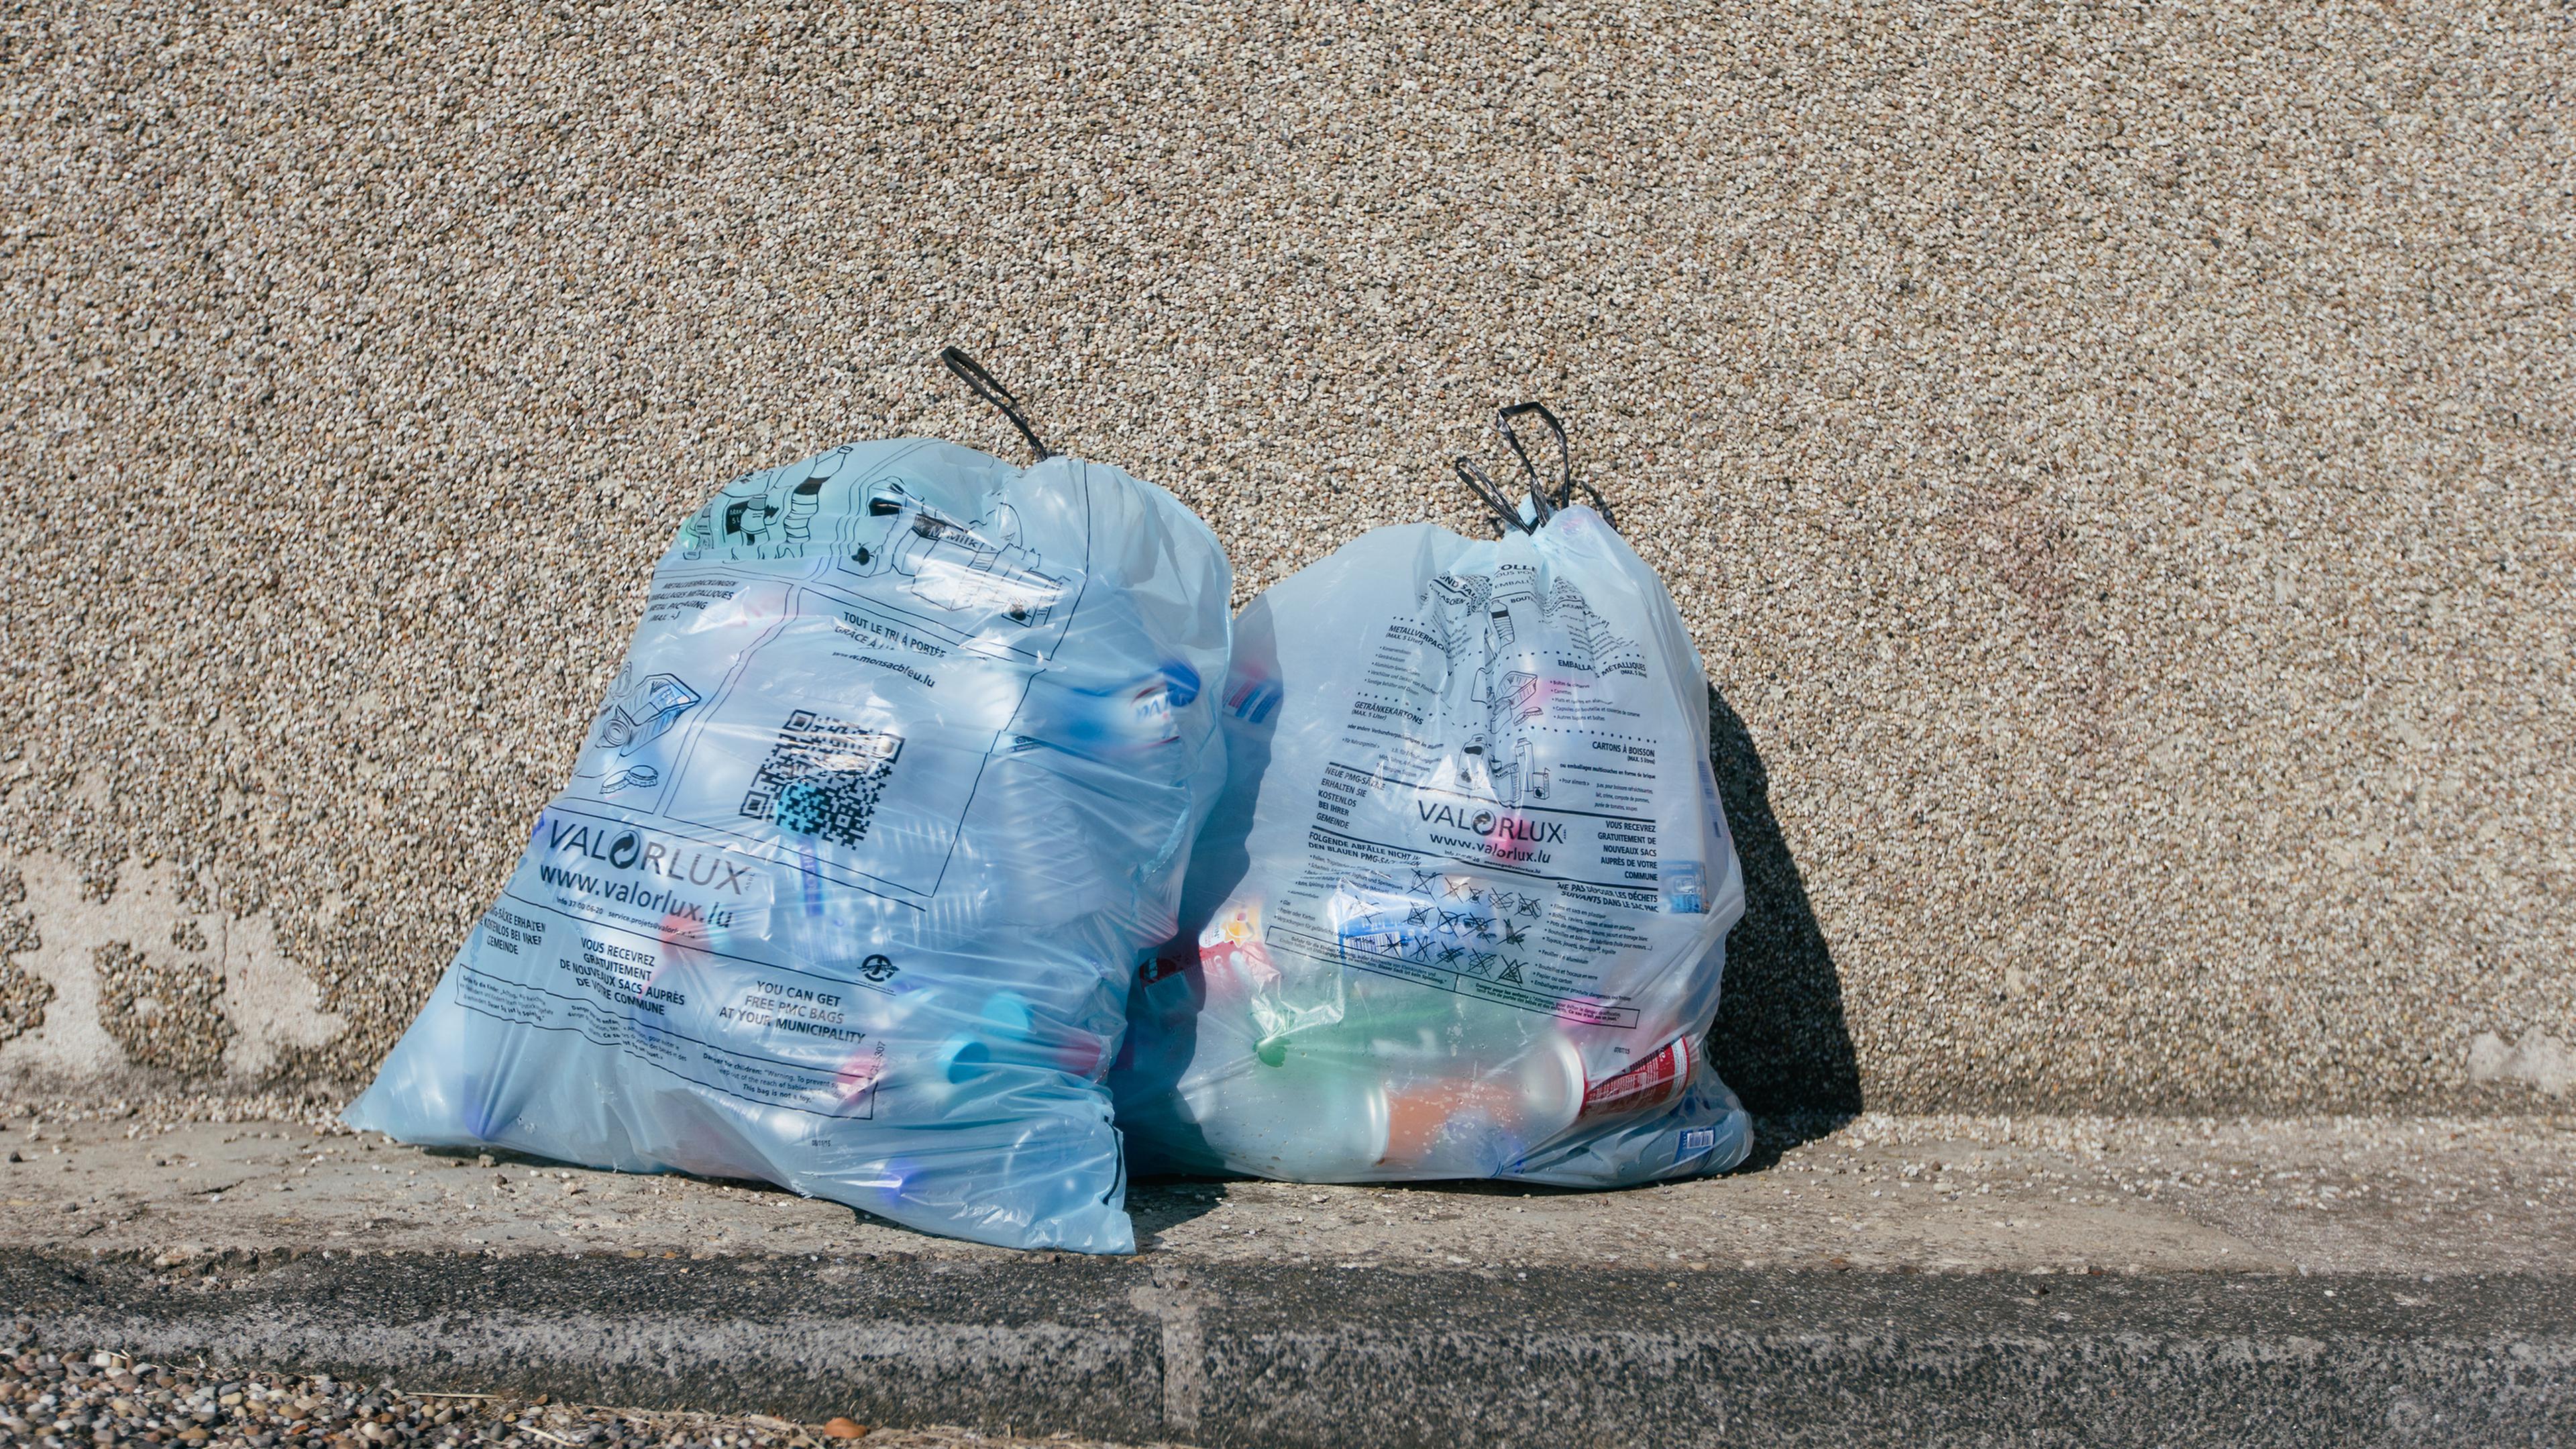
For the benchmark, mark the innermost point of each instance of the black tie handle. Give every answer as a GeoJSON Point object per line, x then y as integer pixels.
{"type": "Point", "coordinates": [1484, 489]}
{"type": "Point", "coordinates": [1567, 483]}
{"type": "Point", "coordinates": [1564, 455]}
{"type": "Point", "coordinates": [1542, 507]}
{"type": "Point", "coordinates": [972, 373]}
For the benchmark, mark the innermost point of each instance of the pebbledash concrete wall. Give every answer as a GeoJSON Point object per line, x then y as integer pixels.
{"type": "Point", "coordinates": [2116, 461]}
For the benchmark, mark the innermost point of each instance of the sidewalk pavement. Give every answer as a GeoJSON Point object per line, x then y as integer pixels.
{"type": "Point", "coordinates": [1910, 1279]}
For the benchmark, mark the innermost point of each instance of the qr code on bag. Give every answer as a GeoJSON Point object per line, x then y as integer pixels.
{"type": "Point", "coordinates": [822, 778]}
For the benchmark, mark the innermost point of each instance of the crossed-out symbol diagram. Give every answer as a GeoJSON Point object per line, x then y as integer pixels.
{"type": "Point", "coordinates": [1464, 888]}
{"type": "Point", "coordinates": [1449, 920]}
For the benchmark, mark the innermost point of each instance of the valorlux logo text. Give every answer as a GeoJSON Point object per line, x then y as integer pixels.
{"type": "Point", "coordinates": [626, 848]}
{"type": "Point", "coordinates": [1491, 825]}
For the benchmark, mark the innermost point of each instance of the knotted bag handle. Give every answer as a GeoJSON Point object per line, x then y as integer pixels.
{"type": "Point", "coordinates": [1564, 460]}
{"type": "Point", "coordinates": [972, 373]}
{"type": "Point", "coordinates": [1539, 504]}
{"type": "Point", "coordinates": [1484, 489]}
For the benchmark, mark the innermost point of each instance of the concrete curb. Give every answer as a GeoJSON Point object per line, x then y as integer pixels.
{"type": "Point", "coordinates": [1225, 1354]}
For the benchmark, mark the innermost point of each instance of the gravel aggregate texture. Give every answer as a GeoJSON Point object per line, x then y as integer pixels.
{"type": "Point", "coordinates": [103, 1397]}
{"type": "Point", "coordinates": [1884, 1279]}
{"type": "Point", "coordinates": [2116, 461]}
{"type": "Point", "coordinates": [1252, 1356]}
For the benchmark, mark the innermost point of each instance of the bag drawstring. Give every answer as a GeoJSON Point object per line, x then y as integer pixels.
{"type": "Point", "coordinates": [1564, 455]}
{"type": "Point", "coordinates": [972, 373]}
{"type": "Point", "coordinates": [1542, 508]}
{"type": "Point", "coordinates": [1483, 487]}
{"type": "Point", "coordinates": [1564, 458]}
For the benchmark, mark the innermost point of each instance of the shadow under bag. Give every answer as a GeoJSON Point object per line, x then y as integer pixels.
{"type": "Point", "coordinates": [1462, 909]}
{"type": "Point", "coordinates": [845, 891]}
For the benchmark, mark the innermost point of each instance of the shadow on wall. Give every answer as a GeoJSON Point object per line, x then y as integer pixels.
{"type": "Point", "coordinates": [1780, 1041]}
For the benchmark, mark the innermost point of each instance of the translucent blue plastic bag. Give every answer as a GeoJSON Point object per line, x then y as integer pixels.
{"type": "Point", "coordinates": [1462, 909]}
{"type": "Point", "coordinates": [898, 778]}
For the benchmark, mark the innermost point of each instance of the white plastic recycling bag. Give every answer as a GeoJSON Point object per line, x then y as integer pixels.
{"type": "Point", "coordinates": [1462, 908]}
{"type": "Point", "coordinates": [899, 776]}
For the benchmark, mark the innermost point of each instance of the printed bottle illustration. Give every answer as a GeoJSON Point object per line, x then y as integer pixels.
{"type": "Point", "coordinates": [1511, 649]}
{"type": "Point", "coordinates": [968, 568]}
{"type": "Point", "coordinates": [767, 515]}
{"type": "Point", "coordinates": [763, 514]}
